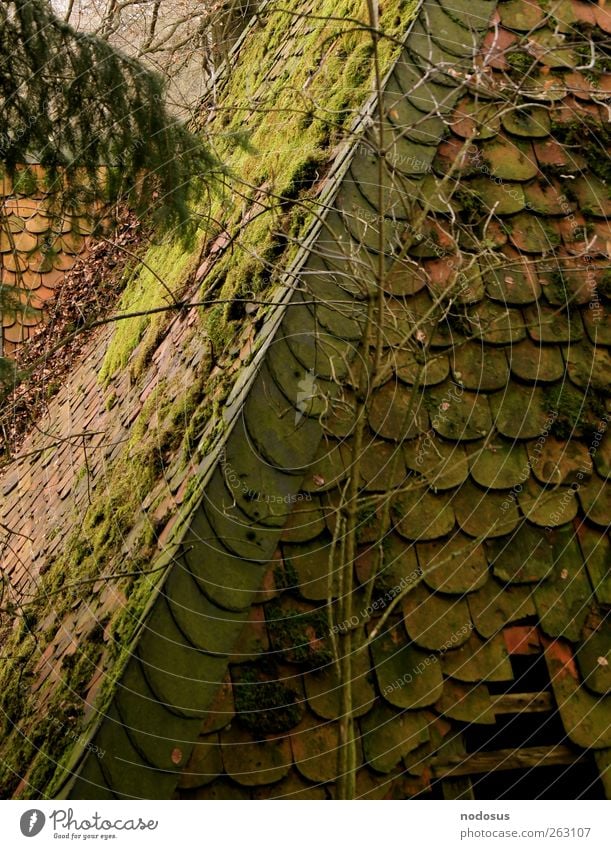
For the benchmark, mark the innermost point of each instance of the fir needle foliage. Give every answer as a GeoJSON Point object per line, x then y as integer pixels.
{"type": "Point", "coordinates": [11, 304]}
{"type": "Point", "coordinates": [92, 116]}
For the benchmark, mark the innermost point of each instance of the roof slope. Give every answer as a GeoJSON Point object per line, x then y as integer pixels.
{"type": "Point", "coordinates": [479, 438]}
{"type": "Point", "coordinates": [489, 437]}
{"type": "Point", "coordinates": [110, 478]}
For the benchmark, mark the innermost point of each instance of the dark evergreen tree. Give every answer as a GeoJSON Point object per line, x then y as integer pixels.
{"type": "Point", "coordinates": [73, 103]}
{"type": "Point", "coordinates": [97, 122]}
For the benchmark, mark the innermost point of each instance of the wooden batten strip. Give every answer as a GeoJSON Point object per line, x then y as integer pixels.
{"type": "Point", "coordinates": [523, 703]}
{"type": "Point", "coordinates": [504, 759]}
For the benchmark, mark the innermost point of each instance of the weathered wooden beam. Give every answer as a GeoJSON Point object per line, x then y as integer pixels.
{"type": "Point", "coordinates": [523, 703]}
{"type": "Point", "coordinates": [503, 759]}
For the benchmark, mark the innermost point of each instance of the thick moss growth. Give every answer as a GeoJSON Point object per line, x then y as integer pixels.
{"type": "Point", "coordinates": [578, 414]}
{"type": "Point", "coordinates": [264, 705]}
{"type": "Point", "coordinates": [28, 756]}
{"type": "Point", "coordinates": [306, 110]}
{"type": "Point", "coordinates": [591, 46]}
{"type": "Point", "coordinates": [589, 138]}
{"type": "Point", "coordinates": [520, 63]}
{"type": "Point", "coordinates": [299, 636]}
{"type": "Point", "coordinates": [471, 205]}
{"type": "Point", "coordinates": [144, 291]}
{"type": "Point", "coordinates": [265, 193]}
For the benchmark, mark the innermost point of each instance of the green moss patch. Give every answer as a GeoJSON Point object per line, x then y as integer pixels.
{"type": "Point", "coordinates": [299, 636]}
{"type": "Point", "coordinates": [144, 291]}
{"type": "Point", "coordinates": [274, 138]}
{"type": "Point", "coordinates": [578, 414]}
{"type": "Point", "coordinates": [113, 547]}
{"type": "Point", "coordinates": [591, 139]}
{"type": "Point", "coordinates": [263, 704]}
{"type": "Point", "coordinates": [299, 117]}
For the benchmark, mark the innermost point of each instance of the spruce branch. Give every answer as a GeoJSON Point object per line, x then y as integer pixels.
{"type": "Point", "coordinates": [94, 118]}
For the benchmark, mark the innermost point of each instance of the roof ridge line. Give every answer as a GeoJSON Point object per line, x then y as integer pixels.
{"type": "Point", "coordinates": [74, 778]}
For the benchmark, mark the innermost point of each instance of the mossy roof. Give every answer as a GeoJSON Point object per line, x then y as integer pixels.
{"type": "Point", "coordinates": [498, 519]}
{"type": "Point", "coordinates": [151, 398]}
